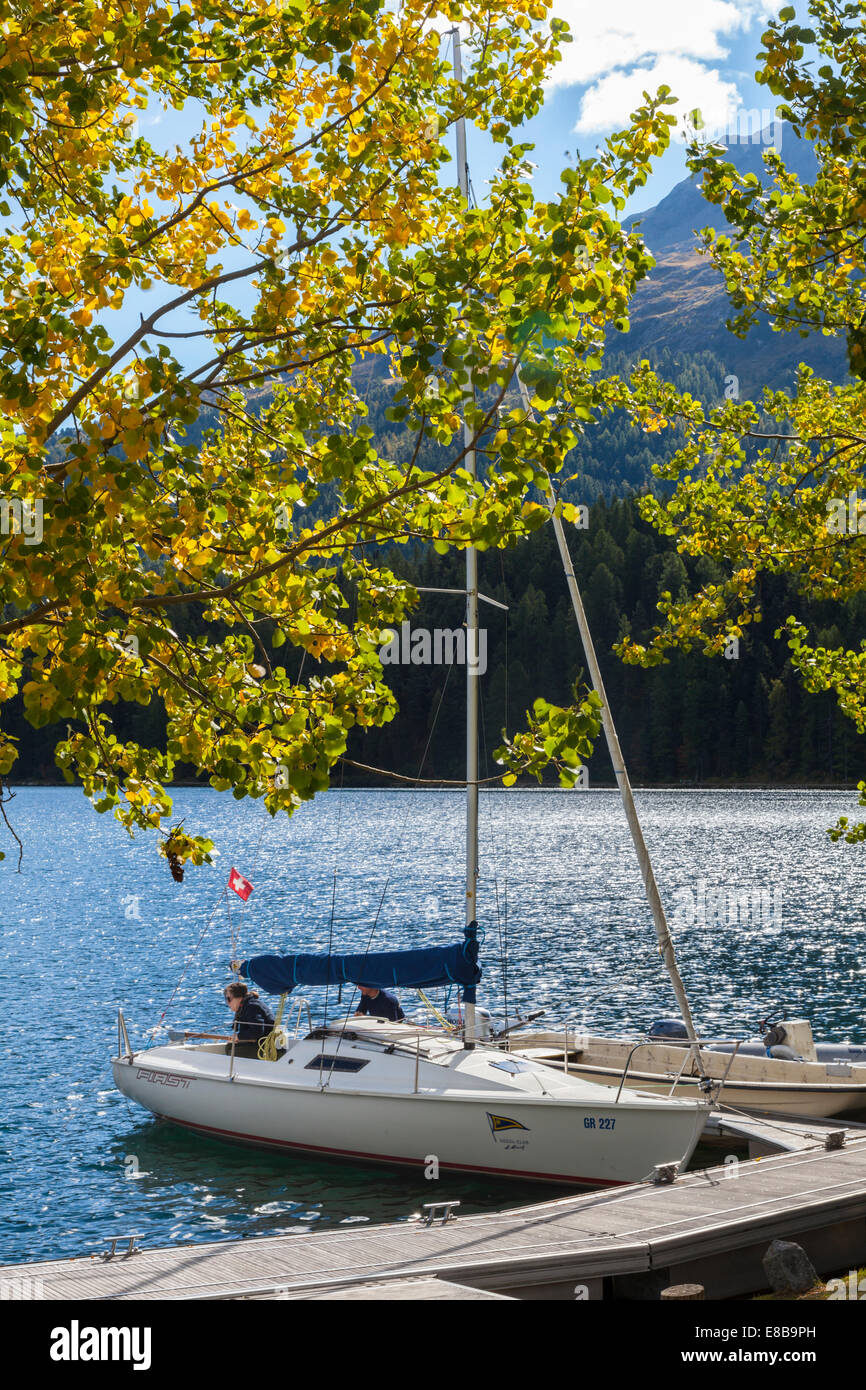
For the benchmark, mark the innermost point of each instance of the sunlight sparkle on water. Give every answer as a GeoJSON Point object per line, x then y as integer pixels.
{"type": "Point", "coordinates": [579, 943]}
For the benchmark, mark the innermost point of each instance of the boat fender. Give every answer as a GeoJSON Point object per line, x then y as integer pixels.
{"type": "Point", "coordinates": [787, 1054]}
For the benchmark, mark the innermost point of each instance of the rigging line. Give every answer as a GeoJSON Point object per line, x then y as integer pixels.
{"type": "Point", "coordinates": [259, 844]}
{"type": "Point", "coordinates": [507, 805]}
{"type": "Point", "coordinates": [232, 934]}
{"type": "Point", "coordinates": [333, 910]}
{"type": "Point", "coordinates": [496, 857]}
{"type": "Point", "coordinates": [193, 956]}
{"type": "Point", "coordinates": [399, 843]}
{"type": "Point", "coordinates": [235, 935]}
{"type": "Point", "coordinates": [419, 781]}
{"type": "Point", "coordinates": [301, 667]}
{"type": "Point", "coordinates": [8, 795]}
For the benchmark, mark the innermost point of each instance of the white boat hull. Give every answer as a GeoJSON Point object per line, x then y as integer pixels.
{"type": "Point", "coordinates": [574, 1134]}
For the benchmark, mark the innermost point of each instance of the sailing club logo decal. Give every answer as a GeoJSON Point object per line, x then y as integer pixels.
{"type": "Point", "coordinates": [507, 1132]}
{"type": "Point", "coordinates": [498, 1123]}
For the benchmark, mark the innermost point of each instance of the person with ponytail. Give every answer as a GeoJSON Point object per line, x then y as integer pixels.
{"type": "Point", "coordinates": [252, 1020]}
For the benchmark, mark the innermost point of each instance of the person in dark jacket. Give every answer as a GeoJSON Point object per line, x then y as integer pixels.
{"type": "Point", "coordinates": [252, 1020]}
{"type": "Point", "coordinates": [378, 1003]}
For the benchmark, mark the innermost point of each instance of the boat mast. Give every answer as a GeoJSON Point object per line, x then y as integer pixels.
{"type": "Point", "coordinates": [472, 647]}
{"type": "Point", "coordinates": [666, 945]}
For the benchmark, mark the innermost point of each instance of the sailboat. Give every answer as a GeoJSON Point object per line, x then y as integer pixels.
{"type": "Point", "coordinates": [378, 1092]}
{"type": "Point", "coordinates": [401, 1093]}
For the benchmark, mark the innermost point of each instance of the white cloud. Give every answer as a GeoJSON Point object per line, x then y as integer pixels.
{"type": "Point", "coordinates": [626, 47]}
{"type": "Point", "coordinates": [621, 48]}
{"type": "Point", "coordinates": [607, 103]}
{"type": "Point", "coordinates": [622, 33]}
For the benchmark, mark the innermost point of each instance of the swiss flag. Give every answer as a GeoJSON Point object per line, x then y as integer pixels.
{"type": "Point", "coordinates": [239, 885]}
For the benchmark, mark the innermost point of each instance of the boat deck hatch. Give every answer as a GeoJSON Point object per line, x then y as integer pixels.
{"type": "Point", "coordinates": [326, 1063]}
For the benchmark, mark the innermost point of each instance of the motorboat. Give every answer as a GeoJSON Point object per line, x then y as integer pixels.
{"type": "Point", "coordinates": [784, 1072]}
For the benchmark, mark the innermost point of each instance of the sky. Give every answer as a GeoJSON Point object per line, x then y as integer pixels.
{"type": "Point", "coordinates": [704, 50]}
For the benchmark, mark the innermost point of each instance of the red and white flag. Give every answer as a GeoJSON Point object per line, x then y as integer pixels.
{"type": "Point", "coordinates": [239, 885]}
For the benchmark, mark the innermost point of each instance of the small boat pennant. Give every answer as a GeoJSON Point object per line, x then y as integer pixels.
{"type": "Point", "coordinates": [240, 885]}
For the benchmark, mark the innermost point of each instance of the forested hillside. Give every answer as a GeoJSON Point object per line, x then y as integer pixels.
{"type": "Point", "coordinates": [613, 458]}
{"type": "Point", "coordinates": [697, 720]}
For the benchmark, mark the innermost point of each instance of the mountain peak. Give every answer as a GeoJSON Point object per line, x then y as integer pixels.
{"type": "Point", "coordinates": [683, 305]}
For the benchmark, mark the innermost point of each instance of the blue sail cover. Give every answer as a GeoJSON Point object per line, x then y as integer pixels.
{"type": "Point", "coordinates": [422, 969]}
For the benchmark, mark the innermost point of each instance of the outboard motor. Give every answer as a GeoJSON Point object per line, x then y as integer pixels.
{"type": "Point", "coordinates": [775, 1043]}
{"type": "Point", "coordinates": [668, 1030]}
{"type": "Point", "coordinates": [791, 1041]}
{"type": "Point", "coordinates": [483, 1026]}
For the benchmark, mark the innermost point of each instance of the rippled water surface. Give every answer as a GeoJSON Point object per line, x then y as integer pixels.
{"type": "Point", "coordinates": [95, 921]}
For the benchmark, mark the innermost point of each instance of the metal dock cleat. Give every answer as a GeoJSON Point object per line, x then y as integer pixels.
{"type": "Point", "coordinates": [665, 1173]}
{"type": "Point", "coordinates": [434, 1209]}
{"type": "Point", "coordinates": [130, 1249]}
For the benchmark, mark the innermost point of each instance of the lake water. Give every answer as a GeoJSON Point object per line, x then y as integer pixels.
{"type": "Point", "coordinates": [768, 916]}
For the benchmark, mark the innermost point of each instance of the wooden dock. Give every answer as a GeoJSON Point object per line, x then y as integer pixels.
{"type": "Point", "coordinates": [711, 1226]}
{"type": "Point", "coordinates": [767, 1134]}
